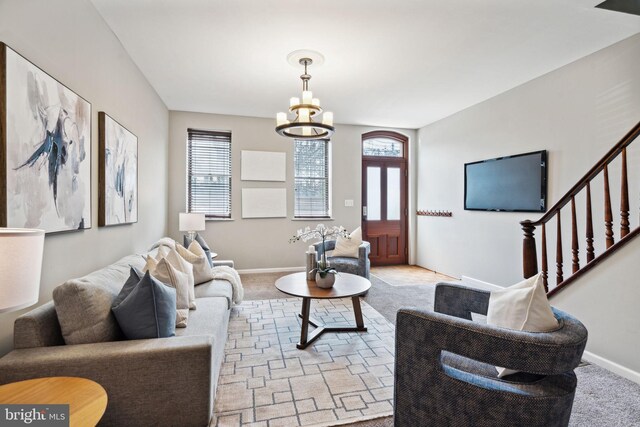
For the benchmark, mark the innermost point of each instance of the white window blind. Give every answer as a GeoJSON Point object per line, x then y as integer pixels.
{"type": "Point", "coordinates": [311, 173]}
{"type": "Point", "coordinates": [209, 173]}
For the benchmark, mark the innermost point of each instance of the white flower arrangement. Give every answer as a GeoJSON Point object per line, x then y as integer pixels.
{"type": "Point", "coordinates": [320, 232]}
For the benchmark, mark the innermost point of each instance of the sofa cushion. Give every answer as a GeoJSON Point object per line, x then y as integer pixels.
{"type": "Point", "coordinates": [184, 266]}
{"type": "Point", "coordinates": [146, 310]}
{"type": "Point", "coordinates": [169, 275]}
{"type": "Point", "coordinates": [196, 256]}
{"type": "Point", "coordinates": [215, 288]}
{"type": "Point", "coordinates": [522, 307]}
{"type": "Point", "coordinates": [348, 246]}
{"type": "Point", "coordinates": [83, 305]}
{"type": "Point", "coordinates": [344, 264]}
{"type": "Point", "coordinates": [205, 247]}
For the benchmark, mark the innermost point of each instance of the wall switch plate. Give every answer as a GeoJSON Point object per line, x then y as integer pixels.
{"type": "Point", "coordinates": [348, 203]}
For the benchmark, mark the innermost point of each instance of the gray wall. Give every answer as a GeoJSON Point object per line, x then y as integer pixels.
{"type": "Point", "coordinates": [577, 113]}
{"type": "Point", "coordinates": [263, 243]}
{"type": "Point", "coordinates": [71, 42]}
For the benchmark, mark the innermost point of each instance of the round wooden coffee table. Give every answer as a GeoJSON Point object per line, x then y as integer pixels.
{"type": "Point", "coordinates": [346, 286]}
{"type": "Point", "coordinates": [87, 400]}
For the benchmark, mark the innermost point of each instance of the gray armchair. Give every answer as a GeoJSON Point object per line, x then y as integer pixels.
{"type": "Point", "coordinates": [445, 366]}
{"type": "Point", "coordinates": [359, 266]}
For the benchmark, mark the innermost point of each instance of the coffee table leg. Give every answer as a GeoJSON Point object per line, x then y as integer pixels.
{"type": "Point", "coordinates": [306, 306]}
{"type": "Point", "coordinates": [357, 311]}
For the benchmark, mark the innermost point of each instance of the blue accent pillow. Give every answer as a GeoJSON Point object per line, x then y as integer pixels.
{"type": "Point", "coordinates": [134, 277]}
{"type": "Point", "coordinates": [186, 241]}
{"type": "Point", "coordinates": [146, 309]}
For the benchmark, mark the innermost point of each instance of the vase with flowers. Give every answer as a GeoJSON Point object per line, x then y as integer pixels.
{"type": "Point", "coordinates": [325, 275]}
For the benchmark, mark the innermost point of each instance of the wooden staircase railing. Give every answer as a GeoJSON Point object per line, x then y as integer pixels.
{"type": "Point", "coordinates": [530, 257]}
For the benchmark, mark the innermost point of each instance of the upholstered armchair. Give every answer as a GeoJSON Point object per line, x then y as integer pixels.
{"type": "Point", "coordinates": [359, 266]}
{"type": "Point", "coordinates": [445, 366]}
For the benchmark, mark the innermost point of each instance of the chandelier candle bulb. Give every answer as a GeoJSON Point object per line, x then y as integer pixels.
{"type": "Point", "coordinates": [281, 118]}
{"type": "Point", "coordinates": [315, 102]}
{"type": "Point", "coordinates": [294, 101]}
{"type": "Point", "coordinates": [307, 97]}
{"type": "Point", "coordinates": [303, 115]}
{"type": "Point", "coordinates": [327, 118]}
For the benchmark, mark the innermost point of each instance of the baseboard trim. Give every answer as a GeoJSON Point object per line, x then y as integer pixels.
{"type": "Point", "coordinates": [612, 366]}
{"type": "Point", "coordinates": [271, 270]}
{"type": "Point", "coordinates": [480, 284]}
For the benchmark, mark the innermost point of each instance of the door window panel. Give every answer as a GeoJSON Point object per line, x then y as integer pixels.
{"type": "Point", "coordinates": [393, 194]}
{"type": "Point", "coordinates": [373, 194]}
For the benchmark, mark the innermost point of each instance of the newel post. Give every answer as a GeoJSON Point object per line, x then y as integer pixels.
{"type": "Point", "coordinates": [529, 255]}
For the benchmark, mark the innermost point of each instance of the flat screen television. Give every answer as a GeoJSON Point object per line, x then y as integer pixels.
{"type": "Point", "coordinates": [511, 184]}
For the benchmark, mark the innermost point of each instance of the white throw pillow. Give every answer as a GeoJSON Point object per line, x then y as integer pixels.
{"type": "Point", "coordinates": [184, 266]}
{"type": "Point", "coordinates": [348, 247]}
{"type": "Point", "coordinates": [196, 256]}
{"type": "Point", "coordinates": [523, 307]}
{"type": "Point", "coordinates": [166, 273]}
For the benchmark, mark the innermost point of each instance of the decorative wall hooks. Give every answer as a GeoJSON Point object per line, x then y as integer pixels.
{"type": "Point", "coordinates": [434, 213]}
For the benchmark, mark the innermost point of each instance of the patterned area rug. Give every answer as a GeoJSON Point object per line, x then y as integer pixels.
{"type": "Point", "coordinates": [342, 378]}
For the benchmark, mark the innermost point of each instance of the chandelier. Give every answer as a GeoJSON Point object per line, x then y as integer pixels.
{"type": "Point", "coordinates": [303, 126]}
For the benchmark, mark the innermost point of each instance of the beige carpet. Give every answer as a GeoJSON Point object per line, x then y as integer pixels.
{"type": "Point", "coordinates": [341, 378]}
{"type": "Point", "coordinates": [404, 275]}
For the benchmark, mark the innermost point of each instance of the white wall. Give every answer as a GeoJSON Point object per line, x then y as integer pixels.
{"type": "Point", "coordinates": [263, 243]}
{"type": "Point", "coordinates": [577, 113]}
{"type": "Point", "coordinates": [71, 42]}
{"type": "Point", "coordinates": [606, 301]}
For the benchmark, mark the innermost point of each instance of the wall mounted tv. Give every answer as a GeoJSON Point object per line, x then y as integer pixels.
{"type": "Point", "coordinates": [511, 184]}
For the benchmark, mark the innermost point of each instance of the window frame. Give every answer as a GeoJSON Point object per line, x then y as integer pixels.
{"type": "Point", "coordinates": [189, 174]}
{"type": "Point", "coordinates": [327, 179]}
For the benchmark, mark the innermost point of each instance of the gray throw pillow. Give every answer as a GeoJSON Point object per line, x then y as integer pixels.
{"type": "Point", "coordinates": [84, 312]}
{"type": "Point", "coordinates": [146, 310]}
{"type": "Point", "coordinates": [187, 241]}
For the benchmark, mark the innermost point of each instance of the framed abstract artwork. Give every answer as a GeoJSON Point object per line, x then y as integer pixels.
{"type": "Point", "coordinates": [118, 163]}
{"type": "Point", "coordinates": [45, 149]}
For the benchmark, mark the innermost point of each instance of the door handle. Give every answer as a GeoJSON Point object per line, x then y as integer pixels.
{"type": "Point", "coordinates": [364, 211]}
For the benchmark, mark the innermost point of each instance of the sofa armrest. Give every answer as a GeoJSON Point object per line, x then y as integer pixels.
{"type": "Point", "coordinates": [223, 263]}
{"type": "Point", "coordinates": [139, 376]}
{"type": "Point", "coordinates": [460, 301]}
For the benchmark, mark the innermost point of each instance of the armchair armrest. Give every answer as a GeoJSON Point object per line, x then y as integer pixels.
{"type": "Point", "coordinates": [139, 376]}
{"type": "Point", "coordinates": [460, 301]}
{"type": "Point", "coordinates": [543, 353]}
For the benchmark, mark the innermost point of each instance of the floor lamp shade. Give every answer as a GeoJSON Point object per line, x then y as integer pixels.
{"type": "Point", "coordinates": [192, 222]}
{"type": "Point", "coordinates": [20, 267]}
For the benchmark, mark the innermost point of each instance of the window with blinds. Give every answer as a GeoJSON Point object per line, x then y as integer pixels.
{"type": "Point", "coordinates": [311, 173]}
{"type": "Point", "coordinates": [209, 173]}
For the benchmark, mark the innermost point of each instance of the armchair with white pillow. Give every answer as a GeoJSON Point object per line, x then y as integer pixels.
{"type": "Point", "coordinates": [450, 370]}
{"type": "Point", "coordinates": [349, 255]}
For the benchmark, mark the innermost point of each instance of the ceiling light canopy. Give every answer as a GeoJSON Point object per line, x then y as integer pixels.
{"type": "Point", "coordinates": [305, 109]}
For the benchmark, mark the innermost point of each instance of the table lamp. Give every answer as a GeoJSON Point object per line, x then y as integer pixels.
{"type": "Point", "coordinates": [20, 267]}
{"type": "Point", "coordinates": [191, 222]}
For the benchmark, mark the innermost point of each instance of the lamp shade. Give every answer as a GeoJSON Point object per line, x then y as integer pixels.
{"type": "Point", "coordinates": [20, 267]}
{"type": "Point", "coordinates": [191, 222]}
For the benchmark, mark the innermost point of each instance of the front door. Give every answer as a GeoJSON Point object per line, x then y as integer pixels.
{"type": "Point", "coordinates": [384, 197]}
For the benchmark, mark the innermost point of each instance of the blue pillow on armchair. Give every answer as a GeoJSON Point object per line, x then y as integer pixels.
{"type": "Point", "coordinates": [145, 308]}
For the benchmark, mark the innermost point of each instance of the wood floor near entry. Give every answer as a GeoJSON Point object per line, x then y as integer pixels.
{"type": "Point", "coordinates": [403, 275]}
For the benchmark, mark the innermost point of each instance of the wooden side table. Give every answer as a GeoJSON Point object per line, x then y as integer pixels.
{"type": "Point", "coordinates": [87, 399]}
{"type": "Point", "coordinates": [346, 286]}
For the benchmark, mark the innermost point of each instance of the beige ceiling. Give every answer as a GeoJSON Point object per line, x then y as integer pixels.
{"type": "Point", "coordinates": [402, 63]}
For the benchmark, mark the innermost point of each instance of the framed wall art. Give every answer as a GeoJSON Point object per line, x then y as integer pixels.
{"type": "Point", "coordinates": [45, 149]}
{"type": "Point", "coordinates": [118, 176]}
